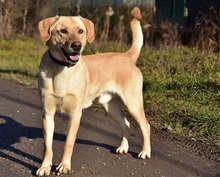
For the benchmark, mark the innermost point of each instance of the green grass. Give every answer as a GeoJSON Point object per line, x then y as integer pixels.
{"type": "Point", "coordinates": [20, 58]}
{"type": "Point", "coordinates": [182, 91]}
{"type": "Point", "coordinates": [181, 86]}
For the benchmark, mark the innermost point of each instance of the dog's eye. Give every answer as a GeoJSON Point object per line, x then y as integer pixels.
{"type": "Point", "coordinates": [80, 31]}
{"type": "Point", "coordinates": [64, 31]}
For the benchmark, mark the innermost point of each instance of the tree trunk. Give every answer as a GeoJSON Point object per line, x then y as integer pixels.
{"type": "Point", "coordinates": [24, 21]}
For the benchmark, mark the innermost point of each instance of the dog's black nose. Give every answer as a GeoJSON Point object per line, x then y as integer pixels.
{"type": "Point", "coordinates": [76, 46]}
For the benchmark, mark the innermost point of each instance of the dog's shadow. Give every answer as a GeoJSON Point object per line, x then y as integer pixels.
{"type": "Point", "coordinates": [11, 133]}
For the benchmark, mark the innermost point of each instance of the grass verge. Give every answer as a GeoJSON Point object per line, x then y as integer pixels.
{"type": "Point", "coordinates": [182, 91]}
{"type": "Point", "coordinates": [181, 86]}
{"type": "Point", "coordinates": [20, 58]}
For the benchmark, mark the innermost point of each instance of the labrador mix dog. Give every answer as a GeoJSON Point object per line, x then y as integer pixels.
{"type": "Point", "coordinates": [70, 82]}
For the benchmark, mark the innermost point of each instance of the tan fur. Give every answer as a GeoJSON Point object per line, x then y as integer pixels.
{"type": "Point", "coordinates": [111, 76]}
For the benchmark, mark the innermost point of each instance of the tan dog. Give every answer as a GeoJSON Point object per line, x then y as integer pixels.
{"type": "Point", "coordinates": [70, 82]}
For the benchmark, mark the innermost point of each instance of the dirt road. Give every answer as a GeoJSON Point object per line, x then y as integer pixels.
{"type": "Point", "coordinates": [21, 144]}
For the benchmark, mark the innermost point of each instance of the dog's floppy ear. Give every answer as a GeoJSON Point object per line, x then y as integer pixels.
{"type": "Point", "coordinates": [44, 27]}
{"type": "Point", "coordinates": [90, 29]}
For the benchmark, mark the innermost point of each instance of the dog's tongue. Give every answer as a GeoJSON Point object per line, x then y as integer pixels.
{"type": "Point", "coordinates": [74, 57]}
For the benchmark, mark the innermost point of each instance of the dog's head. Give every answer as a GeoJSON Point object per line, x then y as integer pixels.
{"type": "Point", "coordinates": [66, 36]}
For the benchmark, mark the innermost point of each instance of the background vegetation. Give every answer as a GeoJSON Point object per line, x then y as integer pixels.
{"type": "Point", "coordinates": [181, 83]}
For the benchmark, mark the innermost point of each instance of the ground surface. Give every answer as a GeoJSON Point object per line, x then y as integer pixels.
{"type": "Point", "coordinates": [21, 144]}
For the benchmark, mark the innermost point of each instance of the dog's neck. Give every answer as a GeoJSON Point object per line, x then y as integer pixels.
{"type": "Point", "coordinates": [59, 62]}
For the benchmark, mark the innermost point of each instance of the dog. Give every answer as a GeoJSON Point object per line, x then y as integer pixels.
{"type": "Point", "coordinates": [69, 82]}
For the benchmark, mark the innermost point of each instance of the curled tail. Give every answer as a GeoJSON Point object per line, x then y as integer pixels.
{"type": "Point", "coordinates": [137, 34]}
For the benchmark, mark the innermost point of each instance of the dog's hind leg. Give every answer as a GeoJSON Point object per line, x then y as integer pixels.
{"type": "Point", "coordinates": [114, 108]}
{"type": "Point", "coordinates": [136, 109]}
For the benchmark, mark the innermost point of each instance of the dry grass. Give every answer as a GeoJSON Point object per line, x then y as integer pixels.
{"type": "Point", "coordinates": [206, 34]}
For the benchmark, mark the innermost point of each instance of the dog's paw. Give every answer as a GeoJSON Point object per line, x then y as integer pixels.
{"type": "Point", "coordinates": [63, 169]}
{"type": "Point", "coordinates": [122, 149]}
{"type": "Point", "coordinates": [43, 171]}
{"type": "Point", "coordinates": [144, 155]}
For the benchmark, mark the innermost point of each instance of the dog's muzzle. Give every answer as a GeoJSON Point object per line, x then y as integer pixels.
{"type": "Point", "coordinates": [73, 56]}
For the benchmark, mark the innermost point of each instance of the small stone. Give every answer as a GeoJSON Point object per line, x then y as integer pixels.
{"type": "Point", "coordinates": [97, 149]}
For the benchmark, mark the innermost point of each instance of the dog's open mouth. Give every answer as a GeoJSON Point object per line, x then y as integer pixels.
{"type": "Point", "coordinates": [71, 57]}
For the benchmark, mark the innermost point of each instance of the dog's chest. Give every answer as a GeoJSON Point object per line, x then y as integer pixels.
{"type": "Point", "coordinates": [68, 82]}
{"type": "Point", "coordinates": [60, 86]}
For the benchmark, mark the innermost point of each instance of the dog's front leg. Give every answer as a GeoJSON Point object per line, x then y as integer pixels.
{"type": "Point", "coordinates": [48, 127]}
{"type": "Point", "coordinates": [74, 122]}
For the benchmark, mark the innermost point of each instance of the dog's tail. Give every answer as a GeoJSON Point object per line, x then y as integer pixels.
{"type": "Point", "coordinates": [137, 34]}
